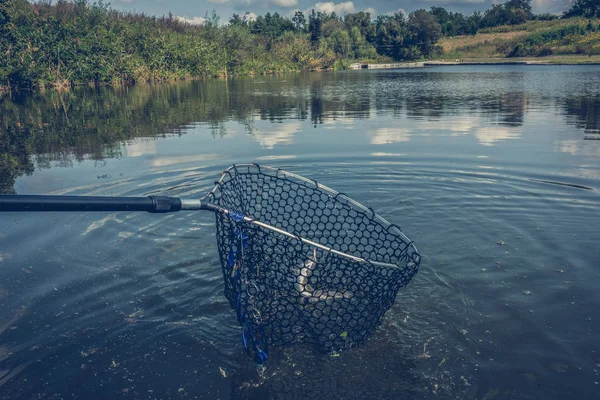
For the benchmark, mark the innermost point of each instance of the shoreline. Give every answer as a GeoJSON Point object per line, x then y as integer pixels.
{"type": "Point", "coordinates": [554, 60]}
{"type": "Point", "coordinates": [547, 61]}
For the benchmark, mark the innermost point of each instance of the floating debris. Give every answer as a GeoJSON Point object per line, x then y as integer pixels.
{"type": "Point", "coordinates": [527, 292]}
{"type": "Point", "coordinates": [500, 243]}
{"type": "Point", "coordinates": [426, 355]}
{"type": "Point", "coordinates": [443, 361]}
{"type": "Point", "coordinates": [223, 373]}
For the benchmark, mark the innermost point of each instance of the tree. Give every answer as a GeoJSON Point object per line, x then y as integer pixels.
{"type": "Point", "coordinates": [331, 26]}
{"type": "Point", "coordinates": [362, 49]}
{"type": "Point", "coordinates": [440, 14]}
{"type": "Point", "coordinates": [524, 5]}
{"type": "Point", "coordinates": [314, 26]}
{"type": "Point", "coordinates": [342, 43]}
{"type": "Point", "coordinates": [391, 32]}
{"type": "Point", "coordinates": [236, 20]}
{"type": "Point", "coordinates": [424, 31]}
{"type": "Point", "coordinates": [362, 20]}
{"type": "Point", "coordinates": [584, 8]}
{"type": "Point", "coordinates": [299, 21]}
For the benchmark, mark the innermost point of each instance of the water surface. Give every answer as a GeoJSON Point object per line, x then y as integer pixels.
{"type": "Point", "coordinates": [493, 171]}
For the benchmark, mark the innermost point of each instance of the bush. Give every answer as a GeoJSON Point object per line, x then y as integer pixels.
{"type": "Point", "coordinates": [545, 51]}
{"type": "Point", "coordinates": [520, 50]}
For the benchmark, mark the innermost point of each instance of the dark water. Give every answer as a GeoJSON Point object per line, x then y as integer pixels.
{"type": "Point", "coordinates": [487, 168]}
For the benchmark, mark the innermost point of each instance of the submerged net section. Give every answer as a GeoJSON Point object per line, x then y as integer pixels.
{"type": "Point", "coordinates": [325, 275]}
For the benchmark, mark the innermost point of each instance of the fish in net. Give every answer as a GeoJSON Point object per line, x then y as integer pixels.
{"type": "Point", "coordinates": [304, 263]}
{"type": "Point", "coordinates": [301, 262]}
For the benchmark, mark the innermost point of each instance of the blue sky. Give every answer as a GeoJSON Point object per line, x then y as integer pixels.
{"type": "Point", "coordinates": [195, 10]}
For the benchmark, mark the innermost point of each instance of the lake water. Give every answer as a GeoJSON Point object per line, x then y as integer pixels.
{"type": "Point", "coordinates": [492, 171]}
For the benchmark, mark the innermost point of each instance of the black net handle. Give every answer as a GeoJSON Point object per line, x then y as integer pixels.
{"type": "Point", "coordinates": [151, 204]}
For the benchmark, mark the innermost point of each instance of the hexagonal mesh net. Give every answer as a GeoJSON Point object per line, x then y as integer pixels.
{"type": "Point", "coordinates": [303, 263]}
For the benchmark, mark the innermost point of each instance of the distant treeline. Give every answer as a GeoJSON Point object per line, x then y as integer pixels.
{"type": "Point", "coordinates": [77, 42]}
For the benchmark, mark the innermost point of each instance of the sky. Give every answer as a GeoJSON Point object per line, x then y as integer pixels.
{"type": "Point", "coordinates": [194, 11]}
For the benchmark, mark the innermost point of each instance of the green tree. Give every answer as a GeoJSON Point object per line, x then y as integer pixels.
{"type": "Point", "coordinates": [236, 20]}
{"type": "Point", "coordinates": [330, 26]}
{"type": "Point", "coordinates": [584, 8]}
{"type": "Point", "coordinates": [315, 22]}
{"type": "Point", "coordinates": [361, 48]}
{"type": "Point", "coordinates": [342, 44]}
{"type": "Point", "coordinates": [391, 34]}
{"type": "Point", "coordinates": [299, 21]}
{"type": "Point", "coordinates": [424, 32]}
{"type": "Point", "coordinates": [524, 5]}
{"type": "Point", "coordinates": [361, 20]}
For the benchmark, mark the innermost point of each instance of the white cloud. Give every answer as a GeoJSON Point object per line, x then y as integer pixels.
{"type": "Point", "coordinates": [191, 21]}
{"type": "Point", "coordinates": [400, 10]}
{"type": "Point", "coordinates": [490, 135]}
{"type": "Point", "coordinates": [249, 16]}
{"type": "Point", "coordinates": [340, 8]}
{"type": "Point", "coordinates": [140, 147]}
{"type": "Point", "coordinates": [371, 11]}
{"type": "Point", "coordinates": [242, 3]}
{"type": "Point", "coordinates": [285, 3]}
{"type": "Point", "coordinates": [578, 147]}
{"type": "Point", "coordinates": [389, 135]}
{"type": "Point", "coordinates": [218, 1]}
{"type": "Point", "coordinates": [183, 159]}
{"type": "Point", "coordinates": [268, 135]}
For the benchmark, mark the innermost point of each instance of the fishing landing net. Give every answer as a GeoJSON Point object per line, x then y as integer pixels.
{"type": "Point", "coordinates": [303, 263]}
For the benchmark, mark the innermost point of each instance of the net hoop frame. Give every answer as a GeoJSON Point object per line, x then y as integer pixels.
{"type": "Point", "coordinates": [413, 258]}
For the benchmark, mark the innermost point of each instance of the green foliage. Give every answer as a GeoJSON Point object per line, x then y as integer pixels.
{"type": "Point", "coordinates": [362, 21]}
{"type": "Point", "coordinates": [454, 24]}
{"type": "Point", "coordinates": [424, 32]}
{"type": "Point", "coordinates": [511, 12]}
{"type": "Point", "coordinates": [542, 43]}
{"type": "Point", "coordinates": [544, 17]}
{"type": "Point", "coordinates": [584, 8]}
{"type": "Point", "coordinates": [504, 14]}
{"type": "Point", "coordinates": [78, 42]}
{"type": "Point", "coordinates": [315, 22]}
{"type": "Point", "coordinates": [299, 21]}
{"type": "Point", "coordinates": [391, 31]}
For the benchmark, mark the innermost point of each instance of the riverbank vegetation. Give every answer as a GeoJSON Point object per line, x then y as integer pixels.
{"type": "Point", "coordinates": [66, 43]}
{"type": "Point", "coordinates": [561, 37]}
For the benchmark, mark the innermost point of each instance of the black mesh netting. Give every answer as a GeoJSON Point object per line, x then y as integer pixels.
{"type": "Point", "coordinates": [285, 290]}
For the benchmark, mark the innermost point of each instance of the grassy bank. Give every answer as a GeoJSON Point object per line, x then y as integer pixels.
{"type": "Point", "coordinates": [65, 43]}
{"type": "Point", "coordinates": [559, 41]}
{"type": "Point", "coordinates": [546, 60]}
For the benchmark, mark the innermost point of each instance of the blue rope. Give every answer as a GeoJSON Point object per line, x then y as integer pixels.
{"type": "Point", "coordinates": [256, 348]}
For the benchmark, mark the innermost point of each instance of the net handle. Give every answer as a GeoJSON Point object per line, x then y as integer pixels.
{"type": "Point", "coordinates": [151, 204]}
